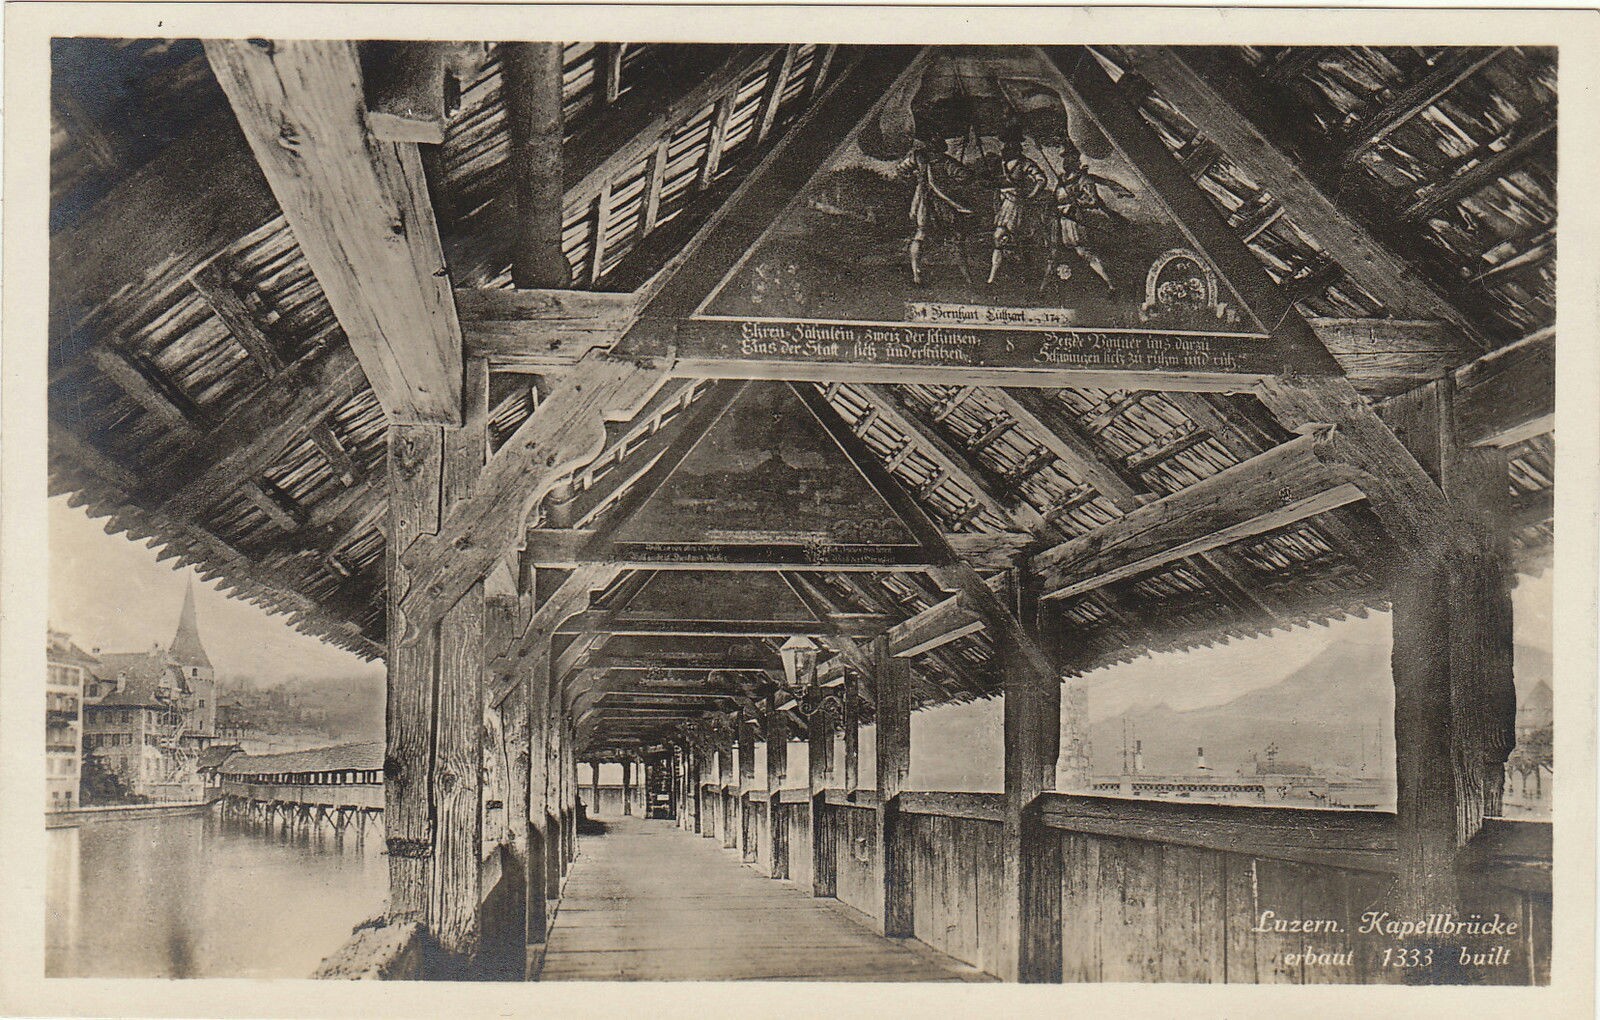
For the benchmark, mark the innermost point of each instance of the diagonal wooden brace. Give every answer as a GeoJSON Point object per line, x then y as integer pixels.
{"type": "Point", "coordinates": [565, 433]}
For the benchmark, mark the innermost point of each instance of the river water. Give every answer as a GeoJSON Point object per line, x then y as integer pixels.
{"type": "Point", "coordinates": [203, 896]}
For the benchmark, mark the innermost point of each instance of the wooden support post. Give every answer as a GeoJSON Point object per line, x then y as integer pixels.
{"type": "Point", "coordinates": [570, 774]}
{"type": "Point", "coordinates": [849, 720]}
{"type": "Point", "coordinates": [1455, 703]}
{"type": "Point", "coordinates": [456, 895]}
{"type": "Point", "coordinates": [892, 697]}
{"type": "Point", "coordinates": [592, 809]}
{"type": "Point", "coordinates": [675, 783]}
{"type": "Point", "coordinates": [726, 776]}
{"type": "Point", "coordinates": [537, 819]}
{"type": "Point", "coordinates": [747, 782]}
{"type": "Point", "coordinates": [531, 76]}
{"type": "Point", "coordinates": [507, 940]}
{"type": "Point", "coordinates": [1031, 877]}
{"type": "Point", "coordinates": [820, 755]}
{"type": "Point", "coordinates": [414, 465]}
{"type": "Point", "coordinates": [627, 787]}
{"type": "Point", "coordinates": [555, 816]}
{"type": "Point", "coordinates": [777, 735]}
{"type": "Point", "coordinates": [705, 822]}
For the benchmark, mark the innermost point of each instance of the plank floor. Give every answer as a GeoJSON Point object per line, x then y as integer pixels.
{"type": "Point", "coordinates": [647, 901]}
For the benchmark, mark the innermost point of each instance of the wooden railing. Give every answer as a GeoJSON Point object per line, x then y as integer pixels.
{"type": "Point", "coordinates": [1156, 891]}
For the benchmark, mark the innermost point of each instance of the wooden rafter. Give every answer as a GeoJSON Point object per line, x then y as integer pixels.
{"type": "Point", "coordinates": [566, 432]}
{"type": "Point", "coordinates": [359, 208]}
{"type": "Point", "coordinates": [1455, 65]}
{"type": "Point", "coordinates": [937, 449]}
{"type": "Point", "coordinates": [1490, 161]}
{"type": "Point", "coordinates": [1295, 480]}
{"type": "Point", "coordinates": [863, 625]}
{"type": "Point", "coordinates": [1380, 272]}
{"type": "Point", "coordinates": [218, 286]}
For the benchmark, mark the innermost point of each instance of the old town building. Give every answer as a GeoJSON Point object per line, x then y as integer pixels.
{"type": "Point", "coordinates": [149, 714]}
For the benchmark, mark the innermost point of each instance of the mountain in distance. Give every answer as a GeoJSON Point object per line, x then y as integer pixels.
{"type": "Point", "coordinates": [1335, 714]}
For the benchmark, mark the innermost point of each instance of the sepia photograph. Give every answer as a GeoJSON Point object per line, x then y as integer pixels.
{"type": "Point", "coordinates": [775, 509]}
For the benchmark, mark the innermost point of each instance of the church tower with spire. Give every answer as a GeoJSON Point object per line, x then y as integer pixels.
{"type": "Point", "coordinates": [189, 655]}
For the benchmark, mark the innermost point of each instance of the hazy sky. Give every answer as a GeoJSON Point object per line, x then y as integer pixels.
{"type": "Point", "coordinates": [110, 593]}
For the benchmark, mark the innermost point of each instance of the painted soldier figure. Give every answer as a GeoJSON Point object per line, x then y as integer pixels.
{"type": "Point", "coordinates": [1019, 181]}
{"type": "Point", "coordinates": [1078, 202]}
{"type": "Point", "coordinates": [934, 209]}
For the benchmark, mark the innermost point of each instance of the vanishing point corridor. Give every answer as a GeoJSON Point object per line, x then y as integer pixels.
{"type": "Point", "coordinates": [647, 900]}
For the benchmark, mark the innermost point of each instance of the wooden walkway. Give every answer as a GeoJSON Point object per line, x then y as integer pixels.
{"type": "Point", "coordinates": [647, 901]}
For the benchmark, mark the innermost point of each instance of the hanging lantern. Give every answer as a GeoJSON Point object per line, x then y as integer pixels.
{"type": "Point", "coordinates": [799, 656]}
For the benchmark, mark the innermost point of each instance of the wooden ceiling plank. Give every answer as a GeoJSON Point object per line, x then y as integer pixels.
{"type": "Point", "coordinates": [1456, 64]}
{"type": "Point", "coordinates": [1387, 277]}
{"type": "Point", "coordinates": [217, 286]}
{"type": "Point", "coordinates": [360, 210]}
{"type": "Point", "coordinates": [253, 437]}
{"type": "Point", "coordinates": [1070, 442]}
{"type": "Point", "coordinates": [152, 229]}
{"type": "Point", "coordinates": [937, 449]}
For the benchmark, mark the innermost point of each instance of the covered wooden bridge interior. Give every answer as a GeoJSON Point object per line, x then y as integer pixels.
{"type": "Point", "coordinates": [400, 340]}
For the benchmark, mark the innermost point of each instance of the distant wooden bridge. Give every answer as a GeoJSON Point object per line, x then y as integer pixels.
{"type": "Point", "coordinates": [341, 786]}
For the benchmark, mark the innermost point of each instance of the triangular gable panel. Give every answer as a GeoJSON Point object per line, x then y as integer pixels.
{"type": "Point", "coordinates": [768, 476]}
{"type": "Point", "coordinates": [700, 595]}
{"type": "Point", "coordinates": [972, 146]}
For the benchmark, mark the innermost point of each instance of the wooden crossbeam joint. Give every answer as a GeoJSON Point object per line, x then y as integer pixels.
{"type": "Point", "coordinates": [566, 432]}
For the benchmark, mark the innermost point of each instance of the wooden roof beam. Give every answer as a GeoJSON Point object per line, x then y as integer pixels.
{"type": "Point", "coordinates": [1507, 395]}
{"type": "Point", "coordinates": [1487, 164]}
{"type": "Point", "coordinates": [270, 500]}
{"type": "Point", "coordinates": [339, 461]}
{"type": "Point", "coordinates": [1383, 274]}
{"type": "Point", "coordinates": [563, 434]}
{"type": "Point", "coordinates": [405, 85]}
{"type": "Point", "coordinates": [1312, 393]}
{"type": "Point", "coordinates": [863, 625]}
{"type": "Point", "coordinates": [934, 627]}
{"type": "Point", "coordinates": [1296, 479]}
{"type": "Point", "coordinates": [148, 388]}
{"type": "Point", "coordinates": [541, 330]}
{"type": "Point", "coordinates": [1456, 64]}
{"type": "Point", "coordinates": [937, 449]}
{"type": "Point", "coordinates": [359, 208]}
{"type": "Point", "coordinates": [217, 284]}
{"type": "Point", "coordinates": [1003, 624]}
